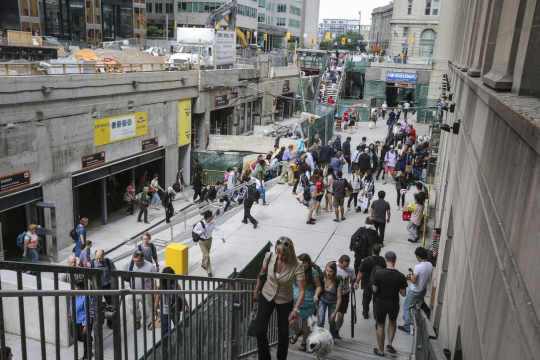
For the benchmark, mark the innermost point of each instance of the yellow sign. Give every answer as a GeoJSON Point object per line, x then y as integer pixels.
{"type": "Point", "coordinates": [328, 34]}
{"type": "Point", "coordinates": [184, 122]}
{"type": "Point", "coordinates": [288, 35]}
{"type": "Point", "coordinates": [265, 37]}
{"type": "Point", "coordinates": [342, 41]}
{"type": "Point", "coordinates": [118, 128]}
{"type": "Point", "coordinates": [248, 34]}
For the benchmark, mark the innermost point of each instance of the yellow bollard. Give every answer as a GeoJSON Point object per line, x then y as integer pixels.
{"type": "Point", "coordinates": [176, 256]}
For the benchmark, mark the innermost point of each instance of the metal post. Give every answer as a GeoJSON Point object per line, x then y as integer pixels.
{"type": "Point", "coordinates": [1, 245]}
{"type": "Point", "coordinates": [104, 201]}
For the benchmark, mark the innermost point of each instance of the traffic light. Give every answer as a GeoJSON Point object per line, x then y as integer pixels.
{"type": "Point", "coordinates": [312, 41]}
{"type": "Point", "coordinates": [288, 35]}
{"type": "Point", "coordinates": [175, 24]}
{"type": "Point", "coordinates": [342, 41]}
{"type": "Point", "coordinates": [328, 35]}
{"type": "Point", "coordinates": [265, 37]}
{"type": "Point", "coordinates": [248, 34]}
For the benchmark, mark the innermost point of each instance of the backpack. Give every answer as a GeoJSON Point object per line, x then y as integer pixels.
{"type": "Point", "coordinates": [358, 240]}
{"type": "Point", "coordinates": [376, 268]}
{"type": "Point", "coordinates": [154, 250]}
{"type": "Point", "coordinates": [20, 239]}
{"type": "Point", "coordinates": [253, 193]}
{"type": "Point", "coordinates": [321, 273]}
{"type": "Point", "coordinates": [336, 145]}
{"type": "Point", "coordinates": [307, 193]}
{"type": "Point", "coordinates": [73, 234]}
{"type": "Point", "coordinates": [107, 263]}
{"type": "Point", "coordinates": [196, 237]}
{"type": "Point", "coordinates": [128, 279]}
{"type": "Point", "coordinates": [138, 197]}
{"type": "Point", "coordinates": [418, 161]}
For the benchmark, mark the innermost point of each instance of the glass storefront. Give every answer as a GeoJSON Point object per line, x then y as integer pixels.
{"type": "Point", "coordinates": [63, 19]}
{"type": "Point", "coordinates": [117, 20]}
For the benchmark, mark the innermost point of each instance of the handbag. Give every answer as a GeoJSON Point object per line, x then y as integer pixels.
{"type": "Point", "coordinates": [127, 198]}
{"type": "Point", "coordinates": [363, 202]}
{"type": "Point", "coordinates": [371, 124]}
{"type": "Point", "coordinates": [253, 325]}
{"type": "Point", "coordinates": [157, 322]}
{"type": "Point", "coordinates": [406, 215]}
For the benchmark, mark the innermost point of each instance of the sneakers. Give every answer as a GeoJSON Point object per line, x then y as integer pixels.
{"type": "Point", "coordinates": [242, 221]}
{"type": "Point", "coordinates": [310, 222]}
{"type": "Point", "coordinates": [413, 241]}
{"type": "Point", "coordinates": [402, 328]}
{"type": "Point", "coordinates": [210, 275]}
{"type": "Point", "coordinates": [398, 208]}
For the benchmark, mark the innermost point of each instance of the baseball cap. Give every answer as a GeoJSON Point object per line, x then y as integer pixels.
{"type": "Point", "coordinates": [170, 189]}
{"type": "Point", "coordinates": [391, 146]}
{"type": "Point", "coordinates": [390, 255]}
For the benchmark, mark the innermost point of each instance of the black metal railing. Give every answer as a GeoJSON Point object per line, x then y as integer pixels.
{"type": "Point", "coordinates": [425, 344]}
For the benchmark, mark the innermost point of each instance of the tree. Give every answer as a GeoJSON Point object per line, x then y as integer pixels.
{"type": "Point", "coordinates": [155, 32]}
{"type": "Point", "coordinates": [353, 35]}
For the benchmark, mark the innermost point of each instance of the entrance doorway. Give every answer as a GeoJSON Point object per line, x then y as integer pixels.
{"type": "Point", "coordinates": [98, 194]}
{"type": "Point", "coordinates": [396, 93]}
{"type": "Point", "coordinates": [17, 211]}
{"type": "Point", "coordinates": [221, 121]}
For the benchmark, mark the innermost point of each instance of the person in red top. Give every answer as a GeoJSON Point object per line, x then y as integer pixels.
{"type": "Point", "coordinates": [330, 101]}
{"type": "Point", "coordinates": [412, 134]}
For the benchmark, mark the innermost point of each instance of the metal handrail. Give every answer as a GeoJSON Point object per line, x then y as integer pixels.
{"type": "Point", "coordinates": [120, 292]}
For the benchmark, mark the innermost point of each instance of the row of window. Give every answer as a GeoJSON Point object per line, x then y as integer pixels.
{"type": "Point", "coordinates": [432, 7]}
{"type": "Point", "coordinates": [262, 3]}
{"type": "Point", "coordinates": [282, 8]}
{"type": "Point", "coordinates": [198, 7]}
{"type": "Point", "coordinates": [294, 23]}
{"type": "Point", "coordinates": [296, 11]}
{"type": "Point", "coordinates": [270, 7]}
{"type": "Point", "coordinates": [281, 21]}
{"type": "Point", "coordinates": [247, 11]}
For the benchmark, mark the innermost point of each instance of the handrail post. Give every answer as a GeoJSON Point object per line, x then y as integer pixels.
{"type": "Point", "coordinates": [116, 323]}
{"type": "Point", "coordinates": [233, 324]}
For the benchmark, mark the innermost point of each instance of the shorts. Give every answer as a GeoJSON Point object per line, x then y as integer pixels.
{"type": "Point", "coordinates": [384, 308]}
{"type": "Point", "coordinates": [312, 203]}
{"type": "Point", "coordinates": [389, 169]}
{"type": "Point", "coordinates": [319, 198]}
{"type": "Point", "coordinates": [344, 303]}
{"type": "Point", "coordinates": [338, 202]}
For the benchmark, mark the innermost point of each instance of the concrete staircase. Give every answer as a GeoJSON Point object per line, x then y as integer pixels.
{"type": "Point", "coordinates": [343, 350]}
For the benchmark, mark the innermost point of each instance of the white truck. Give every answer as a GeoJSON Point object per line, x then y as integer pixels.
{"type": "Point", "coordinates": [222, 42]}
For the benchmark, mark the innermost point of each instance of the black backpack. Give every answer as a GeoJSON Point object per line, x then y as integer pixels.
{"type": "Point", "coordinates": [154, 250]}
{"type": "Point", "coordinates": [358, 240]}
{"type": "Point", "coordinates": [74, 235]}
{"type": "Point", "coordinates": [196, 237]}
{"type": "Point", "coordinates": [376, 267]}
{"type": "Point", "coordinates": [418, 161]}
{"type": "Point", "coordinates": [253, 193]}
{"type": "Point", "coordinates": [307, 193]}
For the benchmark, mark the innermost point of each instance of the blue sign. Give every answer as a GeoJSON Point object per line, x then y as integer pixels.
{"type": "Point", "coordinates": [401, 77]}
{"type": "Point", "coordinates": [360, 41]}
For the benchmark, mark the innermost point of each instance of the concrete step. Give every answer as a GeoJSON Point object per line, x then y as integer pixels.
{"type": "Point", "coordinates": [343, 350]}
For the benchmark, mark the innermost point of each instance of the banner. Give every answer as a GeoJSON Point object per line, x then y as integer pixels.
{"type": "Point", "coordinates": [401, 77]}
{"type": "Point", "coordinates": [120, 128]}
{"type": "Point", "coordinates": [184, 122]}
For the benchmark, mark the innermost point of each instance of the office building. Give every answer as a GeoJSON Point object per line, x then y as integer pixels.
{"type": "Point", "coordinates": [379, 34]}
{"type": "Point", "coordinates": [338, 27]}
{"type": "Point", "coordinates": [414, 28]}
{"type": "Point", "coordinates": [77, 22]}
{"type": "Point", "coordinates": [309, 28]}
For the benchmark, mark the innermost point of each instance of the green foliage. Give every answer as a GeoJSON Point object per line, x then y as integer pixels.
{"type": "Point", "coordinates": [353, 35]}
{"type": "Point", "coordinates": [155, 32]}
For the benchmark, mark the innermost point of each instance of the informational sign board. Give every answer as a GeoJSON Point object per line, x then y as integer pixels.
{"type": "Point", "coordinates": [149, 144]}
{"type": "Point", "coordinates": [225, 41]}
{"type": "Point", "coordinates": [184, 122]}
{"type": "Point", "coordinates": [93, 159]}
{"type": "Point", "coordinates": [118, 128]}
{"type": "Point", "coordinates": [401, 77]}
{"type": "Point", "coordinates": [221, 100]}
{"type": "Point", "coordinates": [14, 181]}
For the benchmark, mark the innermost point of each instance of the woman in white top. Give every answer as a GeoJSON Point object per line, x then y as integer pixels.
{"type": "Point", "coordinates": [30, 241]}
{"type": "Point", "coordinates": [154, 188]}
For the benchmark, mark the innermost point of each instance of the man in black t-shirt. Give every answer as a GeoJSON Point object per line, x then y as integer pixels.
{"type": "Point", "coordinates": [364, 274]}
{"type": "Point", "coordinates": [388, 284]}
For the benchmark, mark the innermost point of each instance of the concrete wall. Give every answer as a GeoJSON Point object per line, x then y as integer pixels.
{"type": "Point", "coordinates": [31, 314]}
{"type": "Point", "coordinates": [259, 145]}
{"type": "Point", "coordinates": [488, 182]}
{"type": "Point", "coordinates": [49, 133]}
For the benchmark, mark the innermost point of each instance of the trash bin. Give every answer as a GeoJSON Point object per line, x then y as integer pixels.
{"type": "Point", "coordinates": [176, 256]}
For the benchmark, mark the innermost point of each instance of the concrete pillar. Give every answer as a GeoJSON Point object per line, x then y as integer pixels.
{"type": "Point", "coordinates": [494, 18]}
{"type": "Point", "coordinates": [481, 38]}
{"type": "Point", "coordinates": [103, 201]}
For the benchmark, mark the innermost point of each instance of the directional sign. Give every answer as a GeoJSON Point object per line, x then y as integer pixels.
{"type": "Point", "coordinates": [14, 181]}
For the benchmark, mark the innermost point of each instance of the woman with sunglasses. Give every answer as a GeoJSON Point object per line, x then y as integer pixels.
{"type": "Point", "coordinates": [283, 269]}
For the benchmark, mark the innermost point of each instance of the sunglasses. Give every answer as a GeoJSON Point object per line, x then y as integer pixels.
{"type": "Point", "coordinates": [283, 242]}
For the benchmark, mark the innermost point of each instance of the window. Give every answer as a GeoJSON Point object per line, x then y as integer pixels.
{"type": "Point", "coordinates": [427, 42]}
{"type": "Point", "coordinates": [262, 4]}
{"type": "Point", "coordinates": [294, 23]}
{"type": "Point", "coordinates": [247, 11]}
{"type": "Point", "coordinates": [269, 20]}
{"type": "Point", "coordinates": [262, 18]}
{"type": "Point", "coordinates": [428, 7]}
{"type": "Point", "coordinates": [435, 10]}
{"type": "Point", "coordinates": [280, 21]}
{"type": "Point", "coordinates": [197, 7]}
{"type": "Point", "coordinates": [282, 8]}
{"type": "Point", "coordinates": [169, 8]}
{"type": "Point", "coordinates": [149, 7]}
{"type": "Point", "coordinates": [405, 31]}
{"type": "Point", "coordinates": [409, 7]}
{"type": "Point", "coordinates": [294, 10]}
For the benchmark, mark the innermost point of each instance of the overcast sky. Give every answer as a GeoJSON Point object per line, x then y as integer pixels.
{"type": "Point", "coordinates": [348, 9]}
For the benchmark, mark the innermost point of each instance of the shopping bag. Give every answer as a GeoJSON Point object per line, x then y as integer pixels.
{"type": "Point", "coordinates": [363, 202]}
{"type": "Point", "coordinates": [371, 124]}
{"type": "Point", "coordinates": [406, 215]}
{"type": "Point", "coordinates": [411, 206]}
{"type": "Point", "coordinates": [252, 327]}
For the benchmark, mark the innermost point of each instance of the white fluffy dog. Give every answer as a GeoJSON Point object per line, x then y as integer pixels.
{"type": "Point", "coordinates": [320, 341]}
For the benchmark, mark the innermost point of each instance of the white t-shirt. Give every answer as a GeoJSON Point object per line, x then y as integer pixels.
{"type": "Point", "coordinates": [347, 274]}
{"type": "Point", "coordinates": [424, 271]}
